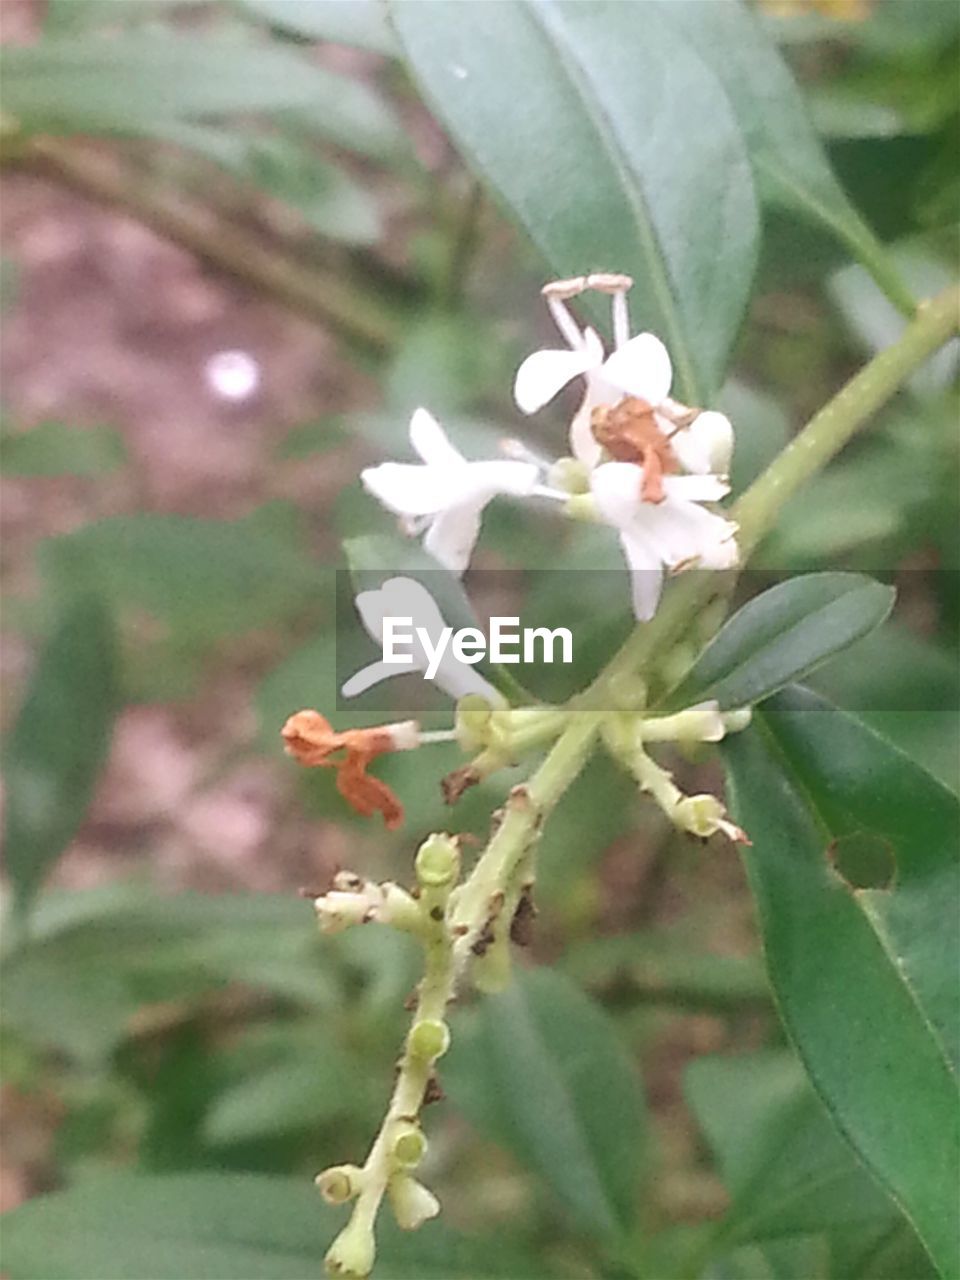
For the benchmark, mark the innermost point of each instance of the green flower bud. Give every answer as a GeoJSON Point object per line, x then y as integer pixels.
{"type": "Point", "coordinates": [429, 1039]}
{"type": "Point", "coordinates": [581, 506]}
{"type": "Point", "coordinates": [339, 1183]}
{"type": "Point", "coordinates": [411, 1202]}
{"type": "Point", "coordinates": [409, 1145]}
{"type": "Point", "coordinates": [569, 475]}
{"type": "Point", "coordinates": [354, 1251]}
{"type": "Point", "coordinates": [737, 719]}
{"type": "Point", "coordinates": [438, 862]}
{"type": "Point", "coordinates": [472, 718]}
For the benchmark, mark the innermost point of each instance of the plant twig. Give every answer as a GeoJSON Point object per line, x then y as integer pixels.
{"type": "Point", "coordinates": [318, 295]}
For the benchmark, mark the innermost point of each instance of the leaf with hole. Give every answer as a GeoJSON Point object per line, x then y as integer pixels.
{"type": "Point", "coordinates": [864, 976]}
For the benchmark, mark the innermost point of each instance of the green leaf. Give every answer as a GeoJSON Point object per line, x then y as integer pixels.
{"type": "Point", "coordinates": [625, 156]}
{"type": "Point", "coordinates": [221, 1227]}
{"type": "Point", "coordinates": [787, 1169]}
{"type": "Point", "coordinates": [360, 23]}
{"type": "Point", "coordinates": [540, 1069]}
{"type": "Point", "coordinates": [58, 449]}
{"type": "Point", "coordinates": [864, 975]}
{"type": "Point", "coordinates": [289, 169]}
{"type": "Point", "coordinates": [135, 83]}
{"type": "Point", "coordinates": [782, 635]}
{"type": "Point", "coordinates": [788, 160]}
{"type": "Point", "coordinates": [203, 577]}
{"type": "Point", "coordinates": [96, 960]}
{"type": "Point", "coordinates": [59, 744]}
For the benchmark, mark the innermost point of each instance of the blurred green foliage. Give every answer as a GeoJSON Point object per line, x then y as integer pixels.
{"type": "Point", "coordinates": [190, 1060]}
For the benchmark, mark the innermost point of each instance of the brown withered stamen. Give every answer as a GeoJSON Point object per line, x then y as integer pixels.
{"type": "Point", "coordinates": [521, 926]}
{"type": "Point", "coordinates": [629, 433]}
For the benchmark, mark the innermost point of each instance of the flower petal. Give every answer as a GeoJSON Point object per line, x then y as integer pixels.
{"type": "Point", "coordinates": [545, 373]}
{"type": "Point", "coordinates": [706, 445]}
{"type": "Point", "coordinates": [487, 479]}
{"type": "Point", "coordinates": [646, 574]}
{"type": "Point", "coordinates": [457, 679]}
{"type": "Point", "coordinates": [641, 367]}
{"type": "Point", "coordinates": [453, 534]}
{"type": "Point", "coordinates": [685, 533]}
{"type": "Point", "coordinates": [698, 488]}
{"type": "Point", "coordinates": [407, 488]}
{"type": "Point", "coordinates": [431, 441]}
{"type": "Point", "coordinates": [616, 490]}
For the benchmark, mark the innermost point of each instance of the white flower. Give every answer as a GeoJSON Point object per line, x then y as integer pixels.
{"type": "Point", "coordinates": [446, 493]}
{"type": "Point", "coordinates": [639, 367]}
{"type": "Point", "coordinates": [407, 598]}
{"type": "Point", "coordinates": [676, 533]}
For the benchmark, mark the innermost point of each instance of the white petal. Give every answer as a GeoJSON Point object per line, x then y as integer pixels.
{"type": "Point", "coordinates": [646, 574]}
{"type": "Point", "coordinates": [641, 368]}
{"type": "Point", "coordinates": [408, 488]}
{"type": "Point", "coordinates": [545, 373]}
{"type": "Point", "coordinates": [431, 441]}
{"type": "Point", "coordinates": [696, 488]}
{"type": "Point", "coordinates": [685, 532]}
{"type": "Point", "coordinates": [453, 534]}
{"type": "Point", "coordinates": [368, 676]}
{"type": "Point", "coordinates": [583, 443]}
{"type": "Point", "coordinates": [486, 479]}
{"type": "Point", "coordinates": [616, 490]}
{"type": "Point", "coordinates": [399, 598]}
{"type": "Point", "coordinates": [706, 445]}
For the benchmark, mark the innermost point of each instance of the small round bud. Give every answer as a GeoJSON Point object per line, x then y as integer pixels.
{"type": "Point", "coordinates": [411, 1202]}
{"type": "Point", "coordinates": [438, 862]}
{"type": "Point", "coordinates": [472, 718]}
{"type": "Point", "coordinates": [715, 435]}
{"type": "Point", "coordinates": [409, 1145]}
{"type": "Point", "coordinates": [570, 475]}
{"type": "Point", "coordinates": [429, 1039]}
{"type": "Point", "coordinates": [339, 1183]}
{"type": "Point", "coordinates": [581, 506]}
{"type": "Point", "coordinates": [737, 719]}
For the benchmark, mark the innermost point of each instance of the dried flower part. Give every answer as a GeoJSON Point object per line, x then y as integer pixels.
{"type": "Point", "coordinates": [630, 433]}
{"type": "Point", "coordinates": [311, 739]}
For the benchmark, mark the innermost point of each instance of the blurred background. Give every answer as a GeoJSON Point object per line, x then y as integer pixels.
{"type": "Point", "coordinates": [207, 330]}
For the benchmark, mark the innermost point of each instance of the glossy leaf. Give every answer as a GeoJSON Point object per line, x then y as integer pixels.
{"type": "Point", "coordinates": [361, 23]}
{"type": "Point", "coordinates": [626, 155]}
{"type": "Point", "coordinates": [782, 635]}
{"type": "Point", "coordinates": [59, 744]}
{"type": "Point", "coordinates": [135, 82]}
{"type": "Point", "coordinates": [209, 1226]}
{"type": "Point", "coordinates": [864, 975]}
{"type": "Point", "coordinates": [789, 162]}
{"type": "Point", "coordinates": [540, 1069]}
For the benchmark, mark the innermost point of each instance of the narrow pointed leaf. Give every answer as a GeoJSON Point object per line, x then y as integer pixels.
{"type": "Point", "coordinates": [542, 1071]}
{"type": "Point", "coordinates": [782, 635]}
{"type": "Point", "coordinates": [862, 964]}
{"type": "Point", "coordinates": [58, 744]}
{"type": "Point", "coordinates": [615, 147]}
{"type": "Point", "coordinates": [789, 161]}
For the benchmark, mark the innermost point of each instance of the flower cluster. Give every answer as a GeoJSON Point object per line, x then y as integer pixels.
{"type": "Point", "coordinates": [640, 462]}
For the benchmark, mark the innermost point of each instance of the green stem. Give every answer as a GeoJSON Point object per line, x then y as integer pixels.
{"type": "Point", "coordinates": [830, 429]}
{"type": "Point", "coordinates": [318, 295]}
{"type": "Point", "coordinates": [809, 452]}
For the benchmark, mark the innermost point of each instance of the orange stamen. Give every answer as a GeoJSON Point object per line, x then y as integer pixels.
{"type": "Point", "coordinates": [311, 739]}
{"type": "Point", "coordinates": [629, 433]}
